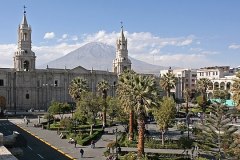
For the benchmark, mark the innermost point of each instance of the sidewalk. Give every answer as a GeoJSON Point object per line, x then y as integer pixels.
{"type": "Point", "coordinates": [52, 138]}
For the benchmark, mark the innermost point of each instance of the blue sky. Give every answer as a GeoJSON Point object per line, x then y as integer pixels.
{"type": "Point", "coordinates": [182, 33]}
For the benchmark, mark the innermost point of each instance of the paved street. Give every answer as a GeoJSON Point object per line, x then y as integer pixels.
{"type": "Point", "coordinates": [35, 149]}
{"type": "Point", "coordinates": [53, 139]}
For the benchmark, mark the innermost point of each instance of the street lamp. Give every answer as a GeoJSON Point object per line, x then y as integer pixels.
{"type": "Point", "coordinates": [49, 121]}
{"type": "Point", "coordinates": [118, 149]}
{"type": "Point", "coordinates": [75, 126]}
{"type": "Point", "coordinates": [188, 121]}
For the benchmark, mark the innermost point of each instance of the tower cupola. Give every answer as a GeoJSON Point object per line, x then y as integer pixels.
{"type": "Point", "coordinates": [24, 58]}
{"type": "Point", "coordinates": [121, 62]}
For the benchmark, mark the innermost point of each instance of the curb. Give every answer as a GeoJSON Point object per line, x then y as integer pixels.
{"type": "Point", "coordinates": [47, 143]}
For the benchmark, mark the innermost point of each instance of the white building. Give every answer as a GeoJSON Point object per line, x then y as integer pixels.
{"type": "Point", "coordinates": [186, 78]}
{"type": "Point", "coordinates": [220, 76]}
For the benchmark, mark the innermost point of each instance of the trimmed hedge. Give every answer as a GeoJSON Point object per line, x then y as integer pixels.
{"type": "Point", "coordinates": [86, 141]}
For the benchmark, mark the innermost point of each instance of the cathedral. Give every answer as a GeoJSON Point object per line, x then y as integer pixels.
{"type": "Point", "coordinates": [25, 87]}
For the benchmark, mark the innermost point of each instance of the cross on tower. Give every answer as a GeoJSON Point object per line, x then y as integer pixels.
{"type": "Point", "coordinates": [24, 9]}
{"type": "Point", "coordinates": [121, 24]}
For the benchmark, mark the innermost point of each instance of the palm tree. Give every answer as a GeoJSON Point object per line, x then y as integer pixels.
{"type": "Point", "coordinates": [77, 86]}
{"type": "Point", "coordinates": [202, 85]}
{"type": "Point", "coordinates": [126, 98]}
{"type": "Point", "coordinates": [103, 87]}
{"type": "Point", "coordinates": [144, 93]}
{"type": "Point", "coordinates": [236, 90]}
{"type": "Point", "coordinates": [168, 82]}
{"type": "Point", "coordinates": [187, 93]}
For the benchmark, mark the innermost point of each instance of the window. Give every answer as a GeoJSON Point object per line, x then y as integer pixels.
{"type": "Point", "coordinates": [1, 82]}
{"type": "Point", "coordinates": [38, 83]}
{"type": "Point", "coordinates": [27, 96]}
{"type": "Point", "coordinates": [26, 65]}
{"type": "Point", "coordinates": [186, 80]}
{"type": "Point", "coordinates": [25, 36]}
{"type": "Point", "coordinates": [56, 83]}
{"type": "Point", "coordinates": [216, 73]}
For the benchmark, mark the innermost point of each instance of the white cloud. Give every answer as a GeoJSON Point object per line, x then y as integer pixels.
{"type": "Point", "coordinates": [64, 36]}
{"type": "Point", "coordinates": [234, 46]}
{"type": "Point", "coordinates": [49, 35]}
{"type": "Point", "coordinates": [7, 52]}
{"type": "Point", "coordinates": [143, 46]}
{"type": "Point", "coordinates": [74, 38]}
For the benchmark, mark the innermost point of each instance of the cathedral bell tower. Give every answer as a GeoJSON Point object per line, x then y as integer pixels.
{"type": "Point", "coordinates": [24, 57]}
{"type": "Point", "coordinates": [121, 62]}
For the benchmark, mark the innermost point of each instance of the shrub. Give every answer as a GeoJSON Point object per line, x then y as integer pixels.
{"type": "Point", "coordinates": [89, 138]}
{"type": "Point", "coordinates": [185, 143]}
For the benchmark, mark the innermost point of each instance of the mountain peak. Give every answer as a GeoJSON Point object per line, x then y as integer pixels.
{"type": "Point", "coordinates": [98, 56]}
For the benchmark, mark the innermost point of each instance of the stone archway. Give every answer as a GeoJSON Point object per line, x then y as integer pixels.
{"type": "Point", "coordinates": [2, 104]}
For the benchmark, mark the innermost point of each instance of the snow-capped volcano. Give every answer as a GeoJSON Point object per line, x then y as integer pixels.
{"type": "Point", "coordinates": [98, 56]}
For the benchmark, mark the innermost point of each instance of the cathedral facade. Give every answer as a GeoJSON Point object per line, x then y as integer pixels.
{"type": "Point", "coordinates": [24, 86]}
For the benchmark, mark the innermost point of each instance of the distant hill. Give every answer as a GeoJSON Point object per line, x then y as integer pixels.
{"type": "Point", "coordinates": [98, 56]}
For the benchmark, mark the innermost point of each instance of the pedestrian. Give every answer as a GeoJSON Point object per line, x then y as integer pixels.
{"type": "Point", "coordinates": [193, 148]}
{"type": "Point", "coordinates": [92, 144]}
{"type": "Point", "coordinates": [81, 152]}
{"type": "Point", "coordinates": [75, 143]}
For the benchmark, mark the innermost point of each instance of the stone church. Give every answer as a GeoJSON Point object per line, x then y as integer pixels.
{"type": "Point", "coordinates": [24, 86]}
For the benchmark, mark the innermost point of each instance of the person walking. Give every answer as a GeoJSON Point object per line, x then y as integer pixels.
{"type": "Point", "coordinates": [81, 152]}
{"type": "Point", "coordinates": [75, 143]}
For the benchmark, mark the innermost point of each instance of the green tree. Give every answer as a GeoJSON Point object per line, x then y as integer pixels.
{"type": "Point", "coordinates": [235, 147]}
{"type": "Point", "coordinates": [187, 93]}
{"type": "Point", "coordinates": [66, 123]}
{"type": "Point", "coordinates": [80, 116]}
{"type": "Point", "coordinates": [103, 88]}
{"type": "Point", "coordinates": [216, 135]}
{"type": "Point", "coordinates": [144, 93]}
{"type": "Point", "coordinates": [236, 90]}
{"type": "Point", "coordinates": [77, 86]}
{"type": "Point", "coordinates": [168, 82]}
{"type": "Point", "coordinates": [125, 96]}
{"type": "Point", "coordinates": [164, 114]}
{"type": "Point", "coordinates": [59, 108]}
{"type": "Point", "coordinates": [90, 106]}
{"type": "Point", "coordinates": [202, 86]}
{"type": "Point", "coordinates": [113, 107]}
{"type": "Point", "coordinates": [220, 94]}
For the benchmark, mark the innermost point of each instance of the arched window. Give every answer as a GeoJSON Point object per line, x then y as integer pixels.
{"type": "Point", "coordinates": [26, 66]}
{"type": "Point", "coordinates": [27, 96]}
{"type": "Point", "coordinates": [25, 36]}
{"type": "Point", "coordinates": [228, 85]}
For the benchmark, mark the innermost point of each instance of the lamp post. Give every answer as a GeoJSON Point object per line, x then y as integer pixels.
{"type": "Point", "coordinates": [187, 120]}
{"type": "Point", "coordinates": [49, 121]}
{"type": "Point", "coordinates": [75, 127]}
{"type": "Point", "coordinates": [116, 132]}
